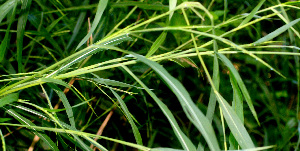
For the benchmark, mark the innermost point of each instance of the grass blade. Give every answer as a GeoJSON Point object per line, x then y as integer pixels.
{"type": "Point", "coordinates": [66, 104]}
{"type": "Point", "coordinates": [212, 98]}
{"type": "Point", "coordinates": [172, 5]}
{"type": "Point", "coordinates": [135, 130]}
{"type": "Point", "coordinates": [185, 142]}
{"type": "Point", "coordinates": [84, 134]}
{"type": "Point", "coordinates": [157, 44]}
{"type": "Point", "coordinates": [277, 32]}
{"type": "Point", "coordinates": [43, 31]}
{"type": "Point", "coordinates": [13, 97]}
{"type": "Point", "coordinates": [6, 7]}
{"type": "Point", "coordinates": [76, 29]}
{"type": "Point", "coordinates": [6, 39]}
{"type": "Point", "coordinates": [235, 125]}
{"type": "Point", "coordinates": [3, 140]}
{"type": "Point", "coordinates": [237, 105]}
{"type": "Point", "coordinates": [20, 31]}
{"type": "Point", "coordinates": [191, 110]}
{"type": "Point", "coordinates": [240, 82]}
{"type": "Point", "coordinates": [165, 149]}
{"type": "Point", "coordinates": [30, 125]}
{"type": "Point", "coordinates": [253, 12]}
{"type": "Point", "coordinates": [100, 9]}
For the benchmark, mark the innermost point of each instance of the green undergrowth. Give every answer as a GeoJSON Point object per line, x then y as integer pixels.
{"type": "Point", "coordinates": [149, 75]}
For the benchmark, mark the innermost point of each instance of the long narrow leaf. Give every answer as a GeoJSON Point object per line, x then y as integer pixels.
{"type": "Point", "coordinates": [6, 7]}
{"type": "Point", "coordinates": [135, 130]}
{"type": "Point", "coordinates": [277, 32]}
{"type": "Point", "coordinates": [80, 134]}
{"type": "Point", "coordinates": [253, 12]}
{"type": "Point", "coordinates": [172, 5]}
{"type": "Point", "coordinates": [100, 9]}
{"type": "Point", "coordinates": [240, 82]}
{"type": "Point", "coordinates": [2, 140]}
{"type": "Point", "coordinates": [185, 142]}
{"type": "Point", "coordinates": [157, 44]}
{"type": "Point", "coordinates": [65, 102]}
{"type": "Point", "coordinates": [6, 39]}
{"type": "Point", "coordinates": [79, 22]}
{"type": "Point", "coordinates": [191, 110]}
{"type": "Point", "coordinates": [235, 125]}
{"type": "Point", "coordinates": [28, 123]}
{"type": "Point", "coordinates": [212, 98]}
{"type": "Point", "coordinates": [20, 31]}
{"type": "Point", "coordinates": [13, 97]}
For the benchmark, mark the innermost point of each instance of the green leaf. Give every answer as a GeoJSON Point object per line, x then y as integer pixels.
{"type": "Point", "coordinates": [172, 5]}
{"type": "Point", "coordinates": [128, 115]}
{"type": "Point", "coordinates": [30, 125]}
{"type": "Point", "coordinates": [10, 98]}
{"type": "Point", "coordinates": [277, 32]}
{"type": "Point", "coordinates": [66, 104]}
{"type": "Point", "coordinates": [165, 149]}
{"type": "Point", "coordinates": [2, 120]}
{"type": "Point", "coordinates": [56, 81]}
{"type": "Point", "coordinates": [185, 142]}
{"type": "Point", "coordinates": [158, 42]}
{"type": "Point", "coordinates": [43, 31]}
{"type": "Point", "coordinates": [113, 82]}
{"type": "Point", "coordinates": [20, 31]}
{"type": "Point", "coordinates": [237, 102]}
{"type": "Point", "coordinates": [100, 9]}
{"type": "Point", "coordinates": [84, 134]}
{"type": "Point", "coordinates": [6, 7]}
{"type": "Point", "coordinates": [3, 140]}
{"type": "Point", "coordinates": [253, 12]}
{"type": "Point", "coordinates": [240, 82]}
{"type": "Point", "coordinates": [237, 105]}
{"type": "Point", "coordinates": [212, 98]}
{"type": "Point", "coordinates": [189, 107]}
{"type": "Point", "coordinates": [142, 5]}
{"type": "Point", "coordinates": [235, 125]}
{"type": "Point", "coordinates": [79, 22]}
{"type": "Point", "coordinates": [6, 39]}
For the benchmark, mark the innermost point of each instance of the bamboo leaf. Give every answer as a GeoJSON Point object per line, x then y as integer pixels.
{"type": "Point", "coordinates": [190, 109]}
{"type": "Point", "coordinates": [185, 142]}
{"type": "Point", "coordinates": [100, 9]}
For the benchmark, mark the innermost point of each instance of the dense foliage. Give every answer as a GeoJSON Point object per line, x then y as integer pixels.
{"type": "Point", "coordinates": [149, 75]}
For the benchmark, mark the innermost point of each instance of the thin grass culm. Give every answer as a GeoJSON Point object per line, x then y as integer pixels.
{"type": "Point", "coordinates": [149, 75]}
